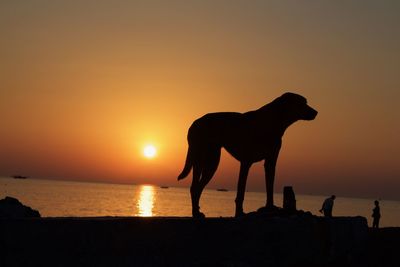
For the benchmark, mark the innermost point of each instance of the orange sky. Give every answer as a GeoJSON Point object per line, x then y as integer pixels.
{"type": "Point", "coordinates": [84, 86]}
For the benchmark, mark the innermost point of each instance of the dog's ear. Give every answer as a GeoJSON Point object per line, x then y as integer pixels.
{"type": "Point", "coordinates": [295, 106]}
{"type": "Point", "coordinates": [291, 100]}
{"type": "Point", "coordinates": [292, 97]}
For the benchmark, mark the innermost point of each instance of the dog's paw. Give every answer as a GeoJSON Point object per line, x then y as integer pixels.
{"type": "Point", "coordinates": [239, 214]}
{"type": "Point", "coordinates": [198, 215]}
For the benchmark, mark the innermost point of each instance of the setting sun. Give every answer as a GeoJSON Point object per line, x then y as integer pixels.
{"type": "Point", "coordinates": [149, 151]}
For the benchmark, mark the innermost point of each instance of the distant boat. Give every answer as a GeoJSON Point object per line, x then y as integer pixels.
{"type": "Point", "coordinates": [164, 187]}
{"type": "Point", "coordinates": [19, 177]}
{"type": "Point", "coordinates": [222, 189]}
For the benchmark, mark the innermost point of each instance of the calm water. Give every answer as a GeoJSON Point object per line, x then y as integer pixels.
{"type": "Point", "coordinates": [62, 198]}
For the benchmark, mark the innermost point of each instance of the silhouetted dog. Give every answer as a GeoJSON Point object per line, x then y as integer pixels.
{"type": "Point", "coordinates": [249, 137]}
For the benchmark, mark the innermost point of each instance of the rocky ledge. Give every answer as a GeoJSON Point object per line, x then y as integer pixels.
{"type": "Point", "coordinates": [183, 241]}
{"type": "Point", "coordinates": [11, 208]}
{"type": "Point", "coordinates": [264, 238]}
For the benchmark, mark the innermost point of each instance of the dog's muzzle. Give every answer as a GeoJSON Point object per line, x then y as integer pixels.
{"type": "Point", "coordinates": [311, 114]}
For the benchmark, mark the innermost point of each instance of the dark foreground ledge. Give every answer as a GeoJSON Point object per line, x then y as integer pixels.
{"type": "Point", "coordinates": [294, 241]}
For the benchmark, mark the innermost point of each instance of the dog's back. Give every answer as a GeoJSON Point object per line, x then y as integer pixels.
{"type": "Point", "coordinates": [244, 135]}
{"type": "Point", "coordinates": [213, 128]}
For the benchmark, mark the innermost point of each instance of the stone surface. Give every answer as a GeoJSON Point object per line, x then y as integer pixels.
{"type": "Point", "coordinates": [256, 240]}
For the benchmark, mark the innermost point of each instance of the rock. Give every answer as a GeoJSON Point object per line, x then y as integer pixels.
{"type": "Point", "coordinates": [267, 212]}
{"type": "Point", "coordinates": [258, 241]}
{"type": "Point", "coordinates": [11, 208]}
{"type": "Point", "coordinates": [289, 199]}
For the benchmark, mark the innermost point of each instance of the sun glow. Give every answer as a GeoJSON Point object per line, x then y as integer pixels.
{"type": "Point", "coordinates": [145, 203]}
{"type": "Point", "coordinates": [149, 151]}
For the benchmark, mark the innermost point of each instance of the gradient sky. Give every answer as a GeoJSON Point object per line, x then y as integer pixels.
{"type": "Point", "coordinates": [84, 85]}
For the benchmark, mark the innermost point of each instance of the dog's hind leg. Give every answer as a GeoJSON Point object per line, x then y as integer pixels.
{"type": "Point", "coordinates": [211, 163]}
{"type": "Point", "coordinates": [202, 176]}
{"type": "Point", "coordinates": [195, 192]}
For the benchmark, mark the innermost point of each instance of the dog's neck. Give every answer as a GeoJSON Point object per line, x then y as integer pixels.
{"type": "Point", "coordinates": [284, 124]}
{"type": "Point", "coordinates": [280, 125]}
{"type": "Point", "coordinates": [274, 114]}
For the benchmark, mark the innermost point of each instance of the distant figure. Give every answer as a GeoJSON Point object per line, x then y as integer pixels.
{"type": "Point", "coordinates": [249, 137]}
{"type": "Point", "coordinates": [327, 206]}
{"type": "Point", "coordinates": [376, 214]}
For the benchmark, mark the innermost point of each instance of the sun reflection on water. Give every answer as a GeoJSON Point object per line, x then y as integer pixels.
{"type": "Point", "coordinates": [145, 203]}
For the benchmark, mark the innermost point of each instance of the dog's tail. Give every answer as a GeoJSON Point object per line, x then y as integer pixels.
{"type": "Point", "coordinates": [188, 165]}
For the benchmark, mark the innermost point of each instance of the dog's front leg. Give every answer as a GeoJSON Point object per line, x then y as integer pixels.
{"type": "Point", "coordinates": [269, 168]}
{"type": "Point", "coordinates": [241, 188]}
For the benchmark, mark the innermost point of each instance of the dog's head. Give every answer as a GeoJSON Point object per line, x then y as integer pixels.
{"type": "Point", "coordinates": [296, 106]}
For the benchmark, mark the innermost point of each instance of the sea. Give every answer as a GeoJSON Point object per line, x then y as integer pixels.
{"type": "Point", "coordinates": [54, 198]}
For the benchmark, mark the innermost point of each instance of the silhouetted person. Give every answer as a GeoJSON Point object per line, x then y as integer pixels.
{"type": "Point", "coordinates": [249, 137]}
{"type": "Point", "coordinates": [376, 214]}
{"type": "Point", "coordinates": [327, 206]}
